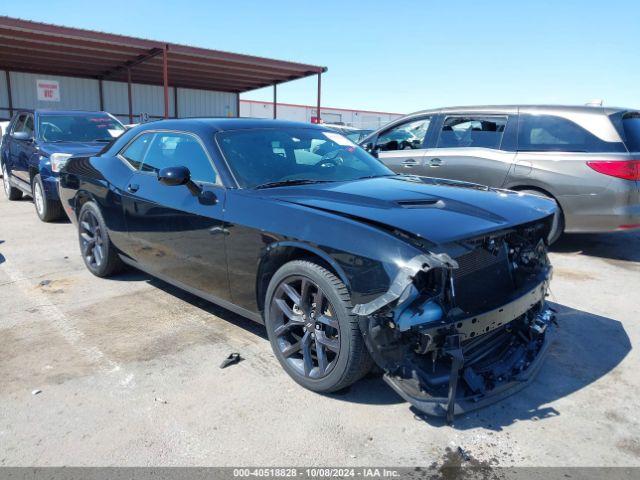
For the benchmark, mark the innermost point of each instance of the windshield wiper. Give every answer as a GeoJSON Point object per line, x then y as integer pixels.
{"type": "Point", "coordinates": [102, 140]}
{"type": "Point", "coordinates": [377, 176]}
{"type": "Point", "coordinates": [281, 183]}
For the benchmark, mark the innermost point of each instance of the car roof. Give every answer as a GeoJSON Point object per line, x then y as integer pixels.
{"type": "Point", "coordinates": [228, 123]}
{"type": "Point", "coordinates": [594, 109]}
{"type": "Point", "coordinates": [59, 112]}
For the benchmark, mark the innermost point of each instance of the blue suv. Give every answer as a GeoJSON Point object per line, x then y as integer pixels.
{"type": "Point", "coordinates": [38, 143]}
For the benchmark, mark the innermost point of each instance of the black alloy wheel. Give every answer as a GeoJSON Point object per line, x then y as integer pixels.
{"type": "Point", "coordinates": [98, 253]}
{"type": "Point", "coordinates": [311, 327]}
{"type": "Point", "coordinates": [307, 332]}
{"type": "Point", "coordinates": [91, 242]}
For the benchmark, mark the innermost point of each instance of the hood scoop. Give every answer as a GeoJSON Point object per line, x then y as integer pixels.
{"type": "Point", "coordinates": [421, 203]}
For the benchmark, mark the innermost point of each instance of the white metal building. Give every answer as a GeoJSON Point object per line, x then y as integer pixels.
{"type": "Point", "coordinates": [308, 113]}
{"type": "Point", "coordinates": [84, 94]}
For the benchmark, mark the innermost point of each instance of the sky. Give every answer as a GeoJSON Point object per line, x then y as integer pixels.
{"type": "Point", "coordinates": [398, 56]}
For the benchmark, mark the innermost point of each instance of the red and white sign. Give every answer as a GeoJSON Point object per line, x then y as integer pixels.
{"type": "Point", "coordinates": [48, 90]}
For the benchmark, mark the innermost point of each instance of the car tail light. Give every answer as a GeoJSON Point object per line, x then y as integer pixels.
{"type": "Point", "coordinates": [629, 226]}
{"type": "Point", "coordinates": [627, 169]}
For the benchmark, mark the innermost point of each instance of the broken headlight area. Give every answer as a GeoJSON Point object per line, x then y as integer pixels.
{"type": "Point", "coordinates": [469, 330]}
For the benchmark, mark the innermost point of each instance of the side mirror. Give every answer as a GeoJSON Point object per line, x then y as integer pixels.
{"type": "Point", "coordinates": [21, 136]}
{"type": "Point", "coordinates": [175, 176]}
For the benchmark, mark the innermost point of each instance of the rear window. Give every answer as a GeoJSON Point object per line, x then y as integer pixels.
{"type": "Point", "coordinates": [550, 133]}
{"type": "Point", "coordinates": [629, 128]}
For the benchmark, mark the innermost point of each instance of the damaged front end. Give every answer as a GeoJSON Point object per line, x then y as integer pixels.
{"type": "Point", "coordinates": [460, 329]}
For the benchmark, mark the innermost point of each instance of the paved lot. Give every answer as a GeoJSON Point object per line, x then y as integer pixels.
{"type": "Point", "coordinates": [129, 374]}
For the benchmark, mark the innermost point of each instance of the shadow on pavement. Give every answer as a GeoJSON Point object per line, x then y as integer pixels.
{"type": "Point", "coordinates": [622, 246]}
{"type": "Point", "coordinates": [133, 275]}
{"type": "Point", "coordinates": [586, 348]}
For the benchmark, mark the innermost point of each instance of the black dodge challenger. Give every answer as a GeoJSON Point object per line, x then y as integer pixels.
{"type": "Point", "coordinates": [442, 284]}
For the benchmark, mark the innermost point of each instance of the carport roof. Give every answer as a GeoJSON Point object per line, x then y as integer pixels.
{"type": "Point", "coordinates": [51, 49]}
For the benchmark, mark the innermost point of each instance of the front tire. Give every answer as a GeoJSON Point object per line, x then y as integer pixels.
{"type": "Point", "coordinates": [48, 210]}
{"type": "Point", "coordinates": [12, 193]}
{"type": "Point", "coordinates": [312, 331]}
{"type": "Point", "coordinates": [98, 253]}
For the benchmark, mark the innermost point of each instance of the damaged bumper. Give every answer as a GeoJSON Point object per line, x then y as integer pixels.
{"type": "Point", "coordinates": [476, 370]}
{"type": "Point", "coordinates": [458, 331]}
{"type": "Point", "coordinates": [453, 365]}
{"type": "Point", "coordinates": [445, 407]}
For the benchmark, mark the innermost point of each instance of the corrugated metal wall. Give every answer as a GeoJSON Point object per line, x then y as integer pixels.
{"type": "Point", "coordinates": [84, 94]}
{"type": "Point", "coordinates": [304, 113]}
{"type": "Point", "coordinates": [75, 93]}
{"type": "Point", "coordinates": [198, 103]}
{"type": "Point", "coordinates": [4, 97]}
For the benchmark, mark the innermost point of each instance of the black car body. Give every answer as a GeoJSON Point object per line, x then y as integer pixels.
{"type": "Point", "coordinates": [444, 282]}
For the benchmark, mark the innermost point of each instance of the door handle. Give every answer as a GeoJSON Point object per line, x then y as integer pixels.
{"type": "Point", "coordinates": [133, 187]}
{"type": "Point", "coordinates": [435, 162]}
{"type": "Point", "coordinates": [409, 162]}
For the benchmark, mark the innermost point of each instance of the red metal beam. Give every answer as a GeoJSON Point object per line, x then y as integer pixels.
{"type": "Point", "coordinates": [184, 80]}
{"type": "Point", "coordinates": [101, 94]}
{"type": "Point", "coordinates": [165, 80]}
{"type": "Point", "coordinates": [275, 102]}
{"type": "Point", "coordinates": [132, 63]}
{"type": "Point", "coordinates": [129, 95]}
{"type": "Point", "coordinates": [319, 93]}
{"type": "Point", "coordinates": [175, 101]}
{"type": "Point", "coordinates": [9, 92]}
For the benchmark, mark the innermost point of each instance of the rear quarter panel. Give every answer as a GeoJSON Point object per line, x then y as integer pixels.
{"type": "Point", "coordinates": [581, 191]}
{"type": "Point", "coordinates": [99, 179]}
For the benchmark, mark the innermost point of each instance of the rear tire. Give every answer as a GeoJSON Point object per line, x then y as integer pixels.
{"type": "Point", "coordinates": [47, 209]}
{"type": "Point", "coordinates": [312, 331]}
{"type": "Point", "coordinates": [12, 193]}
{"type": "Point", "coordinates": [557, 228]}
{"type": "Point", "coordinates": [98, 253]}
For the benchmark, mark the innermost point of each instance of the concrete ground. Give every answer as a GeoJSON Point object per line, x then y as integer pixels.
{"type": "Point", "coordinates": [128, 374]}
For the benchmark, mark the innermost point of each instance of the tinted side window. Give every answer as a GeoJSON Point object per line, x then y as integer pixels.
{"type": "Point", "coordinates": [631, 130]}
{"type": "Point", "coordinates": [134, 153]}
{"type": "Point", "coordinates": [472, 131]}
{"type": "Point", "coordinates": [28, 125]}
{"type": "Point", "coordinates": [405, 136]}
{"type": "Point", "coordinates": [550, 133]}
{"type": "Point", "coordinates": [179, 149]}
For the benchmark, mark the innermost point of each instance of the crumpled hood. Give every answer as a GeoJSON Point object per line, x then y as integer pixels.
{"type": "Point", "coordinates": [437, 210]}
{"type": "Point", "coordinates": [74, 148]}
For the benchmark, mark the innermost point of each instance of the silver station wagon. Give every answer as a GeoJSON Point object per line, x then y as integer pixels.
{"type": "Point", "coordinates": [586, 158]}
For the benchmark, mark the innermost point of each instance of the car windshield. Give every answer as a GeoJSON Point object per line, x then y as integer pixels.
{"type": "Point", "coordinates": [96, 127]}
{"type": "Point", "coordinates": [267, 157]}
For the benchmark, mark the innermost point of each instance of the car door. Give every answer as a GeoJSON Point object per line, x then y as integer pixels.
{"type": "Point", "coordinates": [173, 232]}
{"type": "Point", "coordinates": [469, 147]}
{"type": "Point", "coordinates": [21, 150]}
{"type": "Point", "coordinates": [402, 146]}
